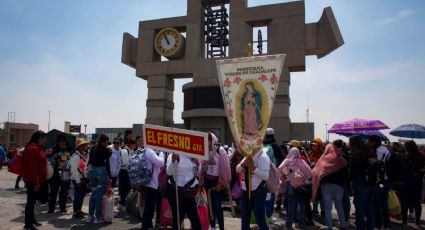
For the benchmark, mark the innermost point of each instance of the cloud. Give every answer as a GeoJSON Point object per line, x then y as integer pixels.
{"type": "Point", "coordinates": [390, 91]}
{"type": "Point", "coordinates": [400, 15]}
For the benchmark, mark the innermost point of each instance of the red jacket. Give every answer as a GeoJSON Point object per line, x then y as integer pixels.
{"type": "Point", "coordinates": [34, 164]}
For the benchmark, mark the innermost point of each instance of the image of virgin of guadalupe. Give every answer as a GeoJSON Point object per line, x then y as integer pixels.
{"type": "Point", "coordinates": [251, 105]}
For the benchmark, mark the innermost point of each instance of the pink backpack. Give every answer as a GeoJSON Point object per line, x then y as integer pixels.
{"type": "Point", "coordinates": [274, 179]}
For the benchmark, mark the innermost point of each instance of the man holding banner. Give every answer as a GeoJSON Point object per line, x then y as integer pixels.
{"type": "Point", "coordinates": [185, 148]}
{"type": "Point", "coordinates": [248, 87]}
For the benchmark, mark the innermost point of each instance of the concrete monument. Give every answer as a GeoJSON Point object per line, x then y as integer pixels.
{"type": "Point", "coordinates": [187, 47]}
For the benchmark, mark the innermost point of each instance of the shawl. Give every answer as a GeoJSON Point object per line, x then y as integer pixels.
{"type": "Point", "coordinates": [331, 161]}
{"type": "Point", "coordinates": [293, 169]}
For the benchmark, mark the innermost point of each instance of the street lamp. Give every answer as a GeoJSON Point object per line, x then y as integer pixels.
{"type": "Point", "coordinates": [327, 134]}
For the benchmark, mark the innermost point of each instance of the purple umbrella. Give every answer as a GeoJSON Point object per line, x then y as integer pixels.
{"type": "Point", "coordinates": [364, 134]}
{"type": "Point", "coordinates": [358, 125]}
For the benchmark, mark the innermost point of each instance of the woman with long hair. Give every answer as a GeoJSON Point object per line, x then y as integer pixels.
{"type": "Point", "coordinates": [331, 174]}
{"type": "Point", "coordinates": [34, 172]}
{"type": "Point", "coordinates": [58, 183]}
{"type": "Point", "coordinates": [411, 195]}
{"type": "Point", "coordinates": [363, 191]}
{"type": "Point", "coordinates": [98, 166]}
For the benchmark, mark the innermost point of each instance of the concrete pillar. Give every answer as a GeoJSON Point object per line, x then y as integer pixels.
{"type": "Point", "coordinates": [195, 30]}
{"type": "Point", "coordinates": [160, 104]}
{"type": "Point", "coordinates": [240, 32]}
{"type": "Point", "coordinates": [279, 119]}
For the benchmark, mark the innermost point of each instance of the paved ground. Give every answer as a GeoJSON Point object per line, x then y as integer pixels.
{"type": "Point", "coordinates": [12, 203]}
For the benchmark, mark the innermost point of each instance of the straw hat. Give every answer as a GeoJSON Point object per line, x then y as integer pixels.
{"type": "Point", "coordinates": [79, 142]}
{"type": "Point", "coordinates": [294, 143]}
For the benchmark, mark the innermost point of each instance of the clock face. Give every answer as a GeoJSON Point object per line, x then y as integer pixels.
{"type": "Point", "coordinates": [169, 42]}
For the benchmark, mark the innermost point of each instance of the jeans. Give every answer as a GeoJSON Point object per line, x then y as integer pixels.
{"type": "Point", "coordinates": [150, 196]}
{"type": "Point", "coordinates": [257, 205]}
{"type": "Point", "coordinates": [364, 203]}
{"type": "Point", "coordinates": [18, 179]}
{"type": "Point", "coordinates": [61, 188]}
{"type": "Point", "coordinates": [123, 186]}
{"type": "Point", "coordinates": [79, 194]}
{"type": "Point", "coordinates": [29, 207]}
{"type": "Point", "coordinates": [333, 193]}
{"type": "Point", "coordinates": [217, 215]}
{"type": "Point", "coordinates": [43, 193]}
{"type": "Point", "coordinates": [295, 202]}
{"type": "Point", "coordinates": [382, 216]}
{"type": "Point", "coordinates": [98, 179]}
{"type": "Point", "coordinates": [346, 204]}
{"type": "Point", "coordinates": [114, 181]}
{"type": "Point", "coordinates": [187, 206]}
{"type": "Point", "coordinates": [269, 205]}
{"type": "Point", "coordinates": [411, 197]}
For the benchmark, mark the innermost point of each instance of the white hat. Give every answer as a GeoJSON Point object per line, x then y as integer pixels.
{"type": "Point", "coordinates": [269, 131]}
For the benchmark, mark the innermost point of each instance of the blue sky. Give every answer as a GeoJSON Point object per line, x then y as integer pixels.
{"type": "Point", "coordinates": [64, 56]}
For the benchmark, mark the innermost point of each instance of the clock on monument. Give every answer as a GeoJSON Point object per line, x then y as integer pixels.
{"type": "Point", "coordinates": [169, 43]}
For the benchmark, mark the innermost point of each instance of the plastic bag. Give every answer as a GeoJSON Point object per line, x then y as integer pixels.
{"type": "Point", "coordinates": [203, 214]}
{"type": "Point", "coordinates": [253, 221]}
{"type": "Point", "coordinates": [108, 208]}
{"type": "Point", "coordinates": [393, 204]}
{"type": "Point", "coordinates": [15, 165]}
{"type": "Point", "coordinates": [166, 218]}
{"type": "Point", "coordinates": [236, 191]}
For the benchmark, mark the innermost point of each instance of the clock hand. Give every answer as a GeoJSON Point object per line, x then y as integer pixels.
{"type": "Point", "coordinates": [166, 39]}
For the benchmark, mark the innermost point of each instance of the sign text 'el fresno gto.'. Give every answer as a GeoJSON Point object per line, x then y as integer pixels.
{"type": "Point", "coordinates": [175, 140]}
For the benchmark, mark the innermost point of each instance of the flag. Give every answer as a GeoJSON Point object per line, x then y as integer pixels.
{"type": "Point", "coordinates": [248, 87]}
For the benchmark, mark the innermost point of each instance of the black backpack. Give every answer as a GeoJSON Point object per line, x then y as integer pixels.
{"type": "Point", "coordinates": [398, 169]}
{"type": "Point", "coordinates": [375, 171]}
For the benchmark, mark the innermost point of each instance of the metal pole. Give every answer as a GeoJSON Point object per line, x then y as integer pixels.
{"type": "Point", "coordinates": [85, 129]}
{"type": "Point", "coordinates": [327, 134]}
{"type": "Point", "coordinates": [48, 125]}
{"type": "Point", "coordinates": [177, 196]}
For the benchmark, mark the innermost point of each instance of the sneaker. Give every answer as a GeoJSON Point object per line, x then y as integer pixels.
{"type": "Point", "coordinates": [99, 221]}
{"type": "Point", "coordinates": [78, 215]}
{"type": "Point", "coordinates": [30, 228]}
{"type": "Point", "coordinates": [89, 219]}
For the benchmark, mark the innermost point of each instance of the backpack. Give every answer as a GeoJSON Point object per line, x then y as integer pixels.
{"type": "Point", "coordinates": [50, 170]}
{"type": "Point", "coordinates": [138, 171]}
{"type": "Point", "coordinates": [397, 169]}
{"type": "Point", "coordinates": [274, 179]}
{"type": "Point", "coordinates": [66, 172]}
{"type": "Point", "coordinates": [375, 170]}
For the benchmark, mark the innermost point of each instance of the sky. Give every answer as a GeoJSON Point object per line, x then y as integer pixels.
{"type": "Point", "coordinates": [65, 56]}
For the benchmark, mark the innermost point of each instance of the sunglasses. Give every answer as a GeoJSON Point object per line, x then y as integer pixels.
{"type": "Point", "coordinates": [117, 143]}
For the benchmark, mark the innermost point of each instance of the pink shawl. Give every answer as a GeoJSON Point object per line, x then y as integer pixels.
{"type": "Point", "coordinates": [330, 162]}
{"type": "Point", "coordinates": [293, 169]}
{"type": "Point", "coordinates": [224, 174]}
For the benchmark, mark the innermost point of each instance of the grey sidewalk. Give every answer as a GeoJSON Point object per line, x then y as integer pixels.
{"type": "Point", "coordinates": [12, 203]}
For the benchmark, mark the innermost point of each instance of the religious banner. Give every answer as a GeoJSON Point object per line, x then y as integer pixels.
{"type": "Point", "coordinates": [179, 141]}
{"type": "Point", "coordinates": [249, 86]}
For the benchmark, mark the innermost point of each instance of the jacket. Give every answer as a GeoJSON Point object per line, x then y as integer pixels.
{"type": "Point", "coordinates": [34, 165]}
{"type": "Point", "coordinates": [74, 162]}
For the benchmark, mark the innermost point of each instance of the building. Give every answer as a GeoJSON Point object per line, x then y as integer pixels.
{"type": "Point", "coordinates": [223, 29]}
{"type": "Point", "coordinates": [17, 134]}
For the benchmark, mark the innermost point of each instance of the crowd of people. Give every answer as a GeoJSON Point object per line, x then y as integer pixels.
{"type": "Point", "coordinates": [309, 176]}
